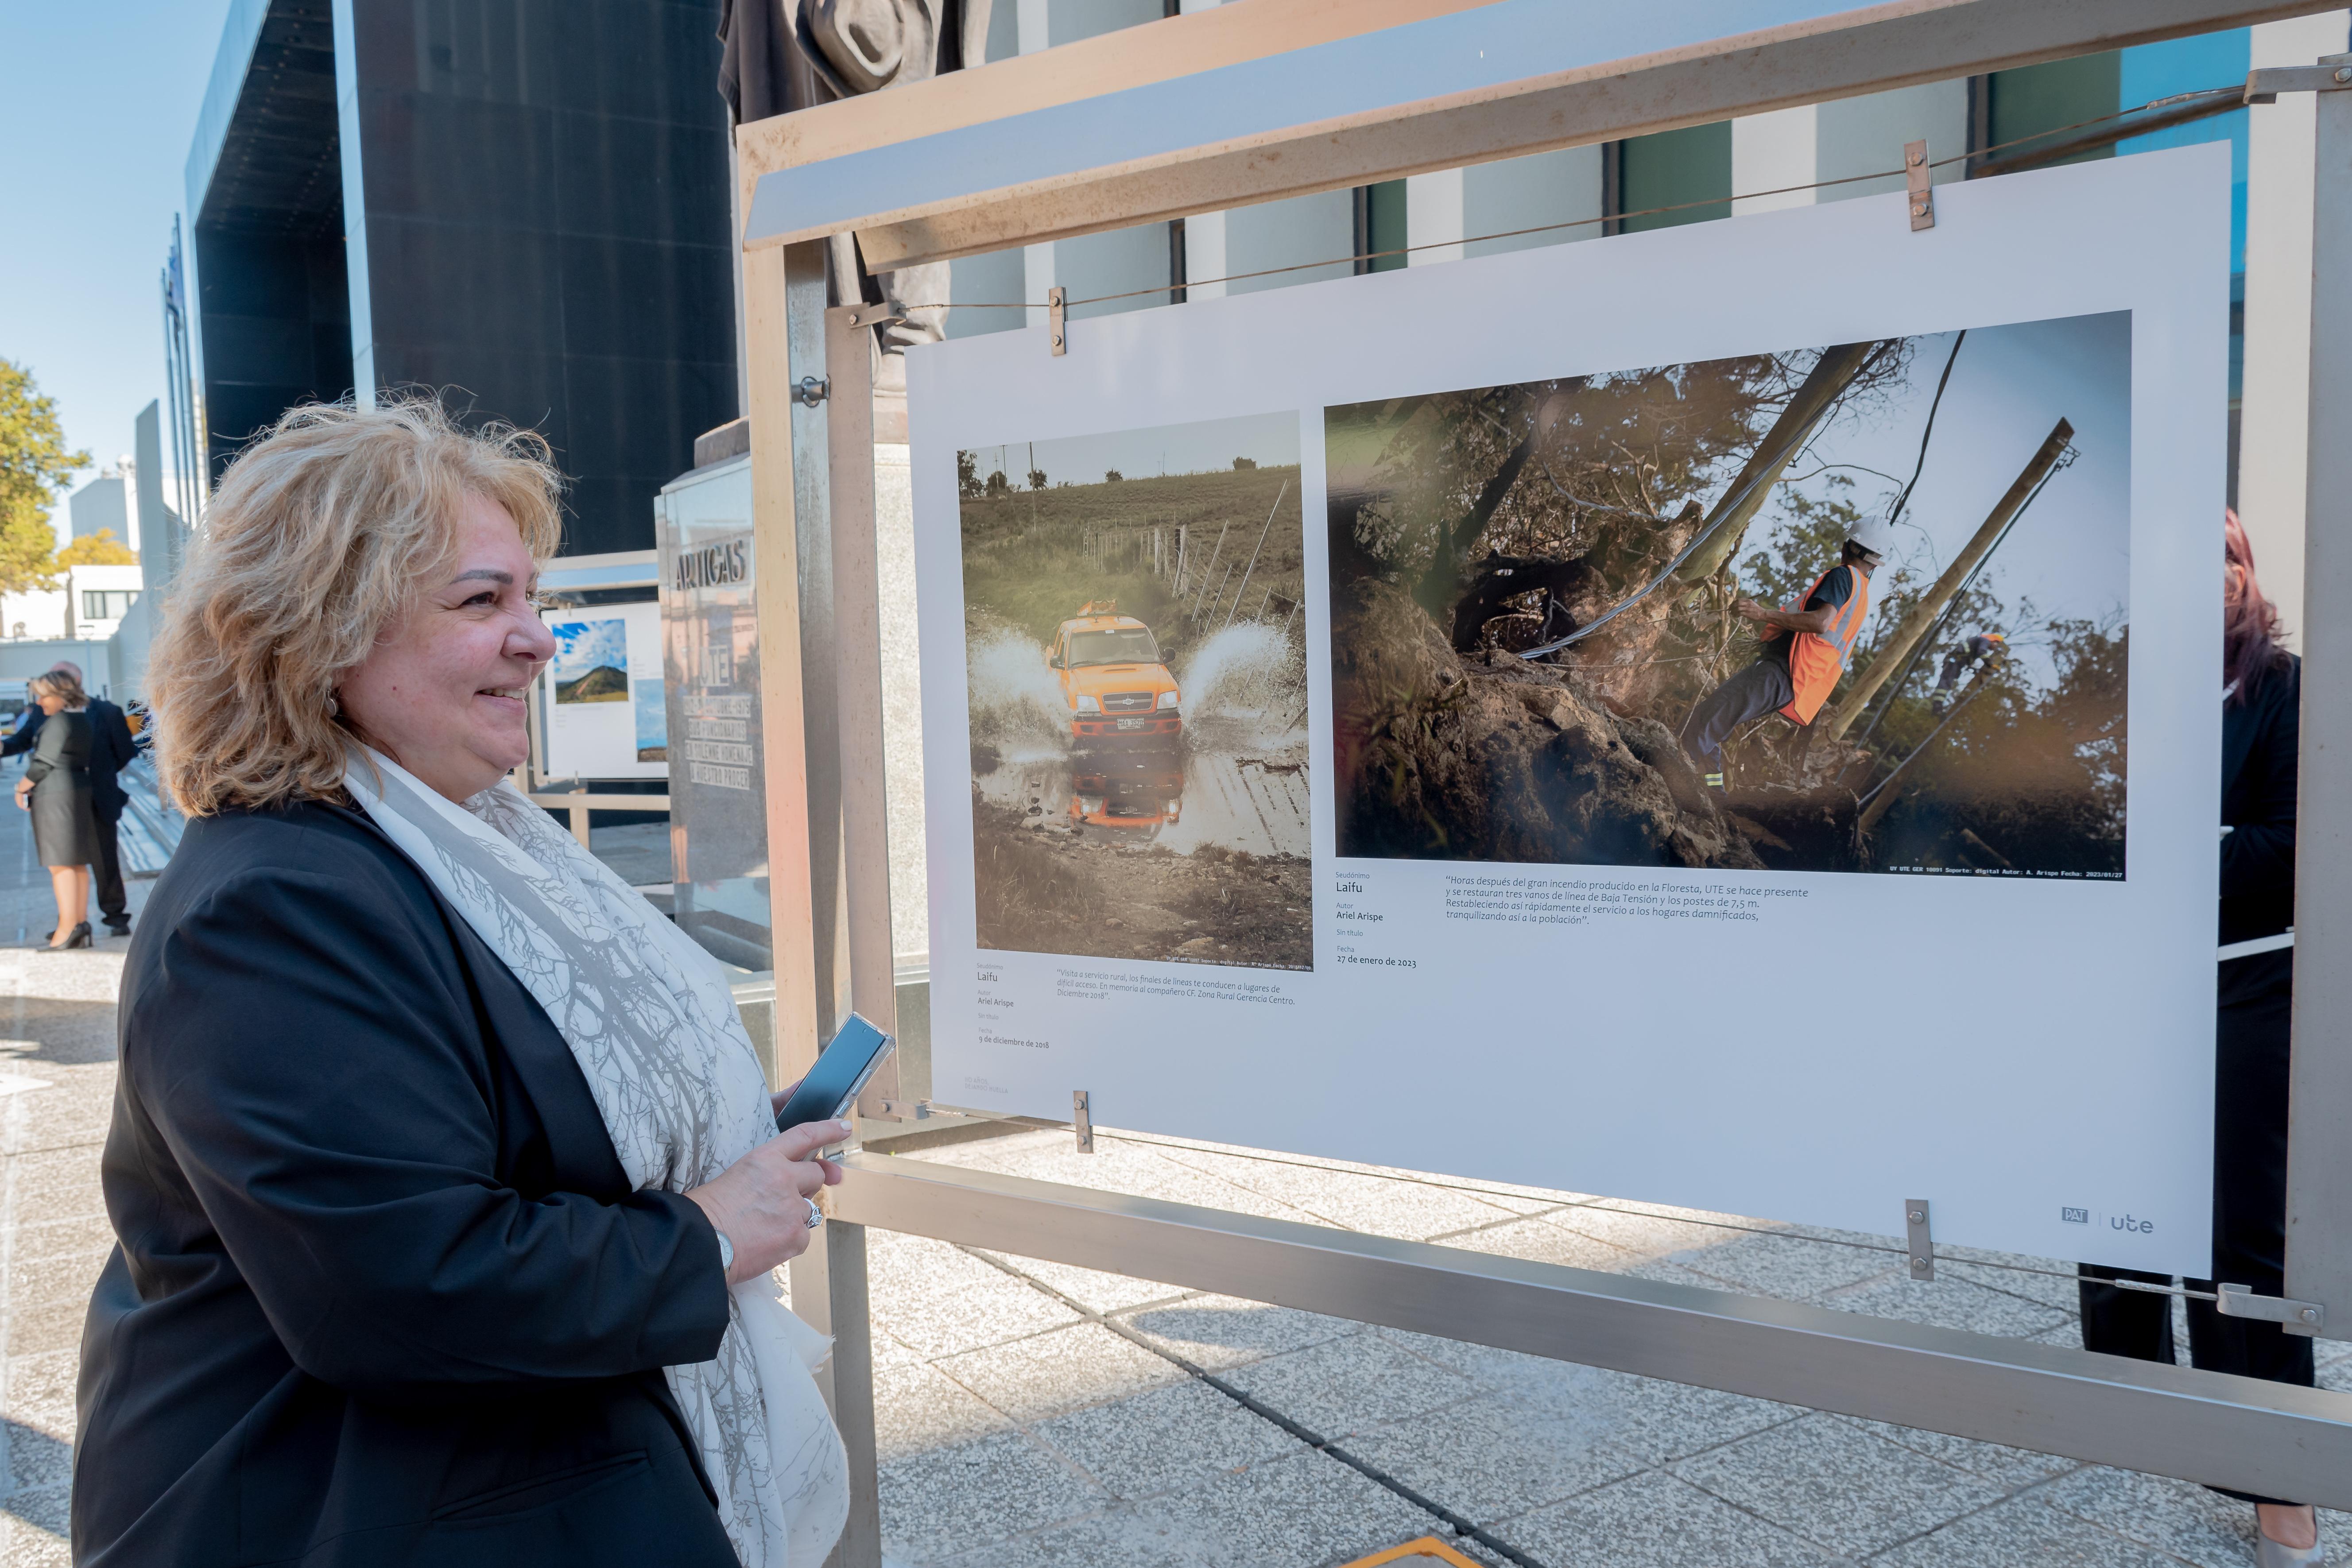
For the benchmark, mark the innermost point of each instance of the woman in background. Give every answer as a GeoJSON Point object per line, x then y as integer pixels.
{"type": "Point", "coordinates": [56, 790]}
{"type": "Point", "coordinates": [2261, 696]}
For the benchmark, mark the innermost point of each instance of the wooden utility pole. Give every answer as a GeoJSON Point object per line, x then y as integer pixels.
{"type": "Point", "coordinates": [1898, 646]}
{"type": "Point", "coordinates": [1830, 376]}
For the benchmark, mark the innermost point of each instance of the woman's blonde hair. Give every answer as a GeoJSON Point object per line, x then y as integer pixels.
{"type": "Point", "coordinates": [62, 684]}
{"type": "Point", "coordinates": [321, 536]}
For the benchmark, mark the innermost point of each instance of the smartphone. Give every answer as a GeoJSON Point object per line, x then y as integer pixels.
{"type": "Point", "coordinates": [832, 1085]}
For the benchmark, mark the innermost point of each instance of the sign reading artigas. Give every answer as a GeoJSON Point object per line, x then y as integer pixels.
{"type": "Point", "coordinates": [1762, 732]}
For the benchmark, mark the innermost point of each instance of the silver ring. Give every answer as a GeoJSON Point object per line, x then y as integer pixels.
{"type": "Point", "coordinates": [817, 1215]}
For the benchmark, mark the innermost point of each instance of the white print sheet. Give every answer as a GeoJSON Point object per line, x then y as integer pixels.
{"type": "Point", "coordinates": [602, 710]}
{"type": "Point", "coordinates": [1978, 1020]}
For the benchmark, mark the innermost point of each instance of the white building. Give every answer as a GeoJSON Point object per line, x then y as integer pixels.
{"type": "Point", "coordinates": [88, 605]}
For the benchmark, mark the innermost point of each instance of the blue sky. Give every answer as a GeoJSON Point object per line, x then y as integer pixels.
{"type": "Point", "coordinates": [582, 646]}
{"type": "Point", "coordinates": [2071, 553]}
{"type": "Point", "coordinates": [1212, 445]}
{"type": "Point", "coordinates": [97, 103]}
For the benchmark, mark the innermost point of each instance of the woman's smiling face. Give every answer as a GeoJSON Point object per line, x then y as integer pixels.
{"type": "Point", "coordinates": [443, 691]}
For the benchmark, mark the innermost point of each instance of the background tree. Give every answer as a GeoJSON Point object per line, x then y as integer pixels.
{"type": "Point", "coordinates": [1036, 479]}
{"type": "Point", "coordinates": [35, 467]}
{"type": "Point", "coordinates": [100, 549]}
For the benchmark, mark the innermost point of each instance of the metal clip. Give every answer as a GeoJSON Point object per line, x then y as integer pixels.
{"type": "Point", "coordinates": [1914, 1210]}
{"type": "Point", "coordinates": [1918, 181]}
{"type": "Point", "coordinates": [812, 389]}
{"type": "Point", "coordinates": [2263, 86]}
{"type": "Point", "coordinates": [1081, 1117]}
{"type": "Point", "coordinates": [2239, 1301]}
{"type": "Point", "coordinates": [1056, 319]}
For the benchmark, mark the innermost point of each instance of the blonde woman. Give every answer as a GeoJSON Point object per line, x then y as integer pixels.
{"type": "Point", "coordinates": [56, 790]}
{"type": "Point", "coordinates": [447, 1185]}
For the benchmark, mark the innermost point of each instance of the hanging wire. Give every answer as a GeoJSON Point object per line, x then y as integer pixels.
{"type": "Point", "coordinates": [2215, 93]}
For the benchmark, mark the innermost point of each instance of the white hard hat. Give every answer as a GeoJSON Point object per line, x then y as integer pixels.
{"type": "Point", "coordinates": [1872, 535]}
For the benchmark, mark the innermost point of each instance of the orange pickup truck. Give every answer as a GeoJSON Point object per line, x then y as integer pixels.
{"type": "Point", "coordinates": [1120, 691]}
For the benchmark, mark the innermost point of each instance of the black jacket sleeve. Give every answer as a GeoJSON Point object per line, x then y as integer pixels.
{"type": "Point", "coordinates": [48, 752]}
{"type": "Point", "coordinates": [111, 748]}
{"type": "Point", "coordinates": [321, 1082]}
{"type": "Point", "coordinates": [2258, 852]}
{"type": "Point", "coordinates": [27, 730]}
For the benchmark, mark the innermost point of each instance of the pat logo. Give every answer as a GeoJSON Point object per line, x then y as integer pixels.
{"type": "Point", "coordinates": [2076, 1216]}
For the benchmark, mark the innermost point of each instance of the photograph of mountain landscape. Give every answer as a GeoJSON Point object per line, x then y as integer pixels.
{"type": "Point", "coordinates": [592, 661]}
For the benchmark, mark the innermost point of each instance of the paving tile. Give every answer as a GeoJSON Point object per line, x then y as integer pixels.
{"type": "Point", "coordinates": [2058, 1295]}
{"type": "Point", "coordinates": [1950, 1304]}
{"type": "Point", "coordinates": [2023, 1532]}
{"type": "Point", "coordinates": [2181, 1518]}
{"type": "Point", "coordinates": [1114, 1167]}
{"type": "Point", "coordinates": [1169, 1439]}
{"type": "Point", "coordinates": [1835, 1484]}
{"type": "Point", "coordinates": [1654, 1520]}
{"type": "Point", "coordinates": [1064, 1370]}
{"type": "Point", "coordinates": [1116, 1538]}
{"type": "Point", "coordinates": [1654, 1420]}
{"type": "Point", "coordinates": [1537, 1240]}
{"type": "Point", "coordinates": [38, 1239]}
{"type": "Point", "coordinates": [35, 1381]}
{"type": "Point", "coordinates": [1792, 1267]}
{"type": "Point", "coordinates": [72, 1276]}
{"type": "Point", "coordinates": [1488, 1457]}
{"type": "Point", "coordinates": [1219, 1331]}
{"type": "Point", "coordinates": [940, 1299]}
{"type": "Point", "coordinates": [1647, 1234]}
{"type": "Point", "coordinates": [51, 1326]}
{"type": "Point", "coordinates": [33, 1531]}
{"type": "Point", "coordinates": [36, 1459]}
{"type": "Point", "coordinates": [918, 1409]}
{"type": "Point", "coordinates": [936, 1504]}
{"type": "Point", "coordinates": [2011, 1468]}
{"type": "Point", "coordinates": [57, 1184]}
{"type": "Point", "coordinates": [1346, 1385]}
{"type": "Point", "coordinates": [1376, 1205]}
{"type": "Point", "coordinates": [1306, 1510]}
{"type": "Point", "coordinates": [1094, 1289]}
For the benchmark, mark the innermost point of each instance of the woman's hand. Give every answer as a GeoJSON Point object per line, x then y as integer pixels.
{"type": "Point", "coordinates": [25, 803]}
{"type": "Point", "coordinates": [762, 1200]}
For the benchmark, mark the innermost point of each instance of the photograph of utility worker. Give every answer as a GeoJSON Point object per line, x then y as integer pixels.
{"type": "Point", "coordinates": [1136, 674]}
{"type": "Point", "coordinates": [1860, 607]}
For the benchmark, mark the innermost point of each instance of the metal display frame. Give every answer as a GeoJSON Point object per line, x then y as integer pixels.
{"type": "Point", "coordinates": [809, 380]}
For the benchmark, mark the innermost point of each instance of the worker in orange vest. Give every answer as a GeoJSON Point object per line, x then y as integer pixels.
{"type": "Point", "coordinates": [1806, 648]}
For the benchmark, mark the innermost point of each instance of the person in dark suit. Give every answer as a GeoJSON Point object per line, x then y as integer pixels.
{"type": "Point", "coordinates": [429, 1252]}
{"type": "Point", "coordinates": [2261, 700]}
{"type": "Point", "coordinates": [111, 749]}
{"type": "Point", "coordinates": [56, 790]}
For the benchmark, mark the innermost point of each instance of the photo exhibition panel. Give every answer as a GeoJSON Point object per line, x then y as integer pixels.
{"type": "Point", "coordinates": [1658, 716]}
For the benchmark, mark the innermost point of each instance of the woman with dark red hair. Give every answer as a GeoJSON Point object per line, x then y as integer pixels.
{"type": "Point", "coordinates": [2261, 695]}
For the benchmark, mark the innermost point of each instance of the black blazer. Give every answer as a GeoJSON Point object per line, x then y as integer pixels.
{"type": "Point", "coordinates": [2261, 738]}
{"type": "Point", "coordinates": [383, 1293]}
{"type": "Point", "coordinates": [112, 747]}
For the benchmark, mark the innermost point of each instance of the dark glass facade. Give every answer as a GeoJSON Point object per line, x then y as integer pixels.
{"type": "Point", "coordinates": [543, 187]}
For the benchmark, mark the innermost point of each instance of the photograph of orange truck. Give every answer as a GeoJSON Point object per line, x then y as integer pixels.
{"type": "Point", "coordinates": [1137, 681]}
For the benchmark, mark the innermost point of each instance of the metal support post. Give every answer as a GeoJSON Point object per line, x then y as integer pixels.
{"type": "Point", "coordinates": [2319, 1156]}
{"type": "Point", "coordinates": [784, 327]}
{"type": "Point", "coordinates": [2267, 1437]}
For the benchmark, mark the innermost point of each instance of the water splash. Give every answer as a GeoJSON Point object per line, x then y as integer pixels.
{"type": "Point", "coordinates": [1017, 704]}
{"type": "Point", "coordinates": [1249, 675]}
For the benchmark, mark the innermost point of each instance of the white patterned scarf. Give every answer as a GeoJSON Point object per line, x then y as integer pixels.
{"type": "Point", "coordinates": [650, 1020]}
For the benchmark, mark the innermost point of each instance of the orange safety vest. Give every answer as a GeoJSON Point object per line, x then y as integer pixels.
{"type": "Point", "coordinates": [1815, 662]}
